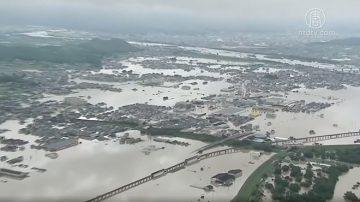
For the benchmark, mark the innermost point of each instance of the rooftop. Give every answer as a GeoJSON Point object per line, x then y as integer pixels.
{"type": "Point", "coordinates": [236, 171]}
{"type": "Point", "coordinates": [223, 177]}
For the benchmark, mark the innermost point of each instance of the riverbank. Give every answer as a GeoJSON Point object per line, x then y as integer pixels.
{"type": "Point", "coordinates": [249, 189]}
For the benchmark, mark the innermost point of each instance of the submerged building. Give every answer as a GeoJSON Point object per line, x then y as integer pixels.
{"type": "Point", "coordinates": [60, 144]}
{"type": "Point", "coordinates": [236, 173]}
{"type": "Point", "coordinates": [12, 174]}
{"type": "Point", "coordinates": [223, 179]}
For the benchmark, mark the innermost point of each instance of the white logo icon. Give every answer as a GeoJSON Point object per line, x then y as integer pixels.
{"type": "Point", "coordinates": [315, 18]}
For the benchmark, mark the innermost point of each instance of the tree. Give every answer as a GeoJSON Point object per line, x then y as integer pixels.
{"type": "Point", "coordinates": [324, 187]}
{"type": "Point", "coordinates": [295, 171]}
{"type": "Point", "coordinates": [294, 197]}
{"type": "Point", "coordinates": [309, 174]}
{"type": "Point", "coordinates": [308, 154]}
{"type": "Point", "coordinates": [306, 184]}
{"type": "Point", "coordinates": [269, 186]}
{"type": "Point", "coordinates": [350, 196]}
{"type": "Point", "coordinates": [294, 187]}
{"type": "Point", "coordinates": [349, 156]}
{"type": "Point", "coordinates": [285, 168]}
{"type": "Point", "coordinates": [279, 181]}
{"type": "Point", "coordinates": [294, 157]}
{"type": "Point", "coordinates": [277, 171]}
{"type": "Point", "coordinates": [319, 174]}
{"type": "Point", "coordinates": [278, 192]}
{"type": "Point", "coordinates": [277, 168]}
{"type": "Point", "coordinates": [332, 155]}
{"type": "Point", "coordinates": [298, 178]}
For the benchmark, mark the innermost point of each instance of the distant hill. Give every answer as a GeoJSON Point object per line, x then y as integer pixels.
{"type": "Point", "coordinates": [355, 41]}
{"type": "Point", "coordinates": [91, 52]}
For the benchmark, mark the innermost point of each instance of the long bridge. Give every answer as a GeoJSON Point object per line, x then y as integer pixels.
{"type": "Point", "coordinates": [240, 136]}
{"type": "Point", "coordinates": [160, 173]}
{"type": "Point", "coordinates": [310, 139]}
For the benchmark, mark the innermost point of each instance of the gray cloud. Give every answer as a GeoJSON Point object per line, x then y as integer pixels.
{"type": "Point", "coordinates": [135, 15]}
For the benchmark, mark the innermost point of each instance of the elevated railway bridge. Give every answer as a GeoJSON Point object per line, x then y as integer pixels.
{"type": "Point", "coordinates": [304, 140]}
{"type": "Point", "coordinates": [163, 172]}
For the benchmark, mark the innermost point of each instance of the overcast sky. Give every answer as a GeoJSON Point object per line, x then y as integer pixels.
{"type": "Point", "coordinates": [177, 15]}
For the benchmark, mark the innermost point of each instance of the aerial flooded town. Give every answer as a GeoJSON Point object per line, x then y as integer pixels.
{"type": "Point", "coordinates": [211, 117]}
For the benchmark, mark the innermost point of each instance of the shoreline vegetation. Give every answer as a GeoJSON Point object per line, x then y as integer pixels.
{"type": "Point", "coordinates": [339, 157]}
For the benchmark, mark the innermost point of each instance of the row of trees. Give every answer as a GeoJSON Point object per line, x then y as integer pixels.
{"type": "Point", "coordinates": [309, 154]}
{"type": "Point", "coordinates": [345, 155]}
{"type": "Point", "coordinates": [266, 147]}
{"type": "Point", "coordinates": [349, 155]}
